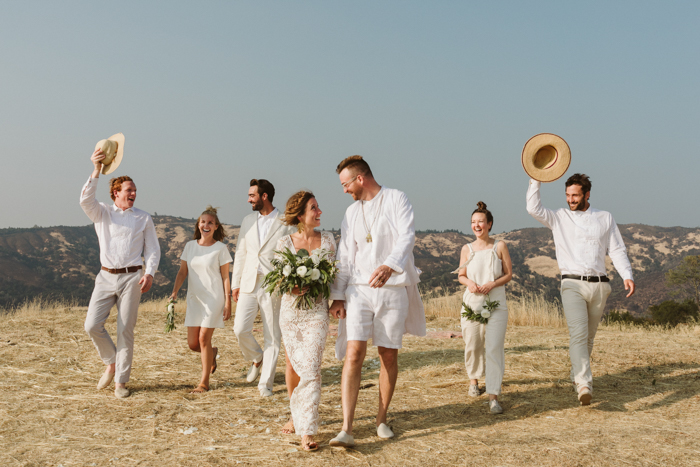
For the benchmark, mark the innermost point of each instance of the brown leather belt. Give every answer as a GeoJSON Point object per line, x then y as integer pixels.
{"type": "Point", "coordinates": [130, 269]}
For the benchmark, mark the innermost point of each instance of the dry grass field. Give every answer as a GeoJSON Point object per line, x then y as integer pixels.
{"type": "Point", "coordinates": [646, 407]}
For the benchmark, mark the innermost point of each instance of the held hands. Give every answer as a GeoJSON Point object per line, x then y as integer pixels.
{"type": "Point", "coordinates": [629, 285]}
{"type": "Point", "coordinates": [146, 282]}
{"type": "Point", "coordinates": [380, 276]}
{"type": "Point", "coordinates": [471, 285]}
{"type": "Point", "coordinates": [486, 288]}
{"type": "Point", "coordinates": [337, 309]}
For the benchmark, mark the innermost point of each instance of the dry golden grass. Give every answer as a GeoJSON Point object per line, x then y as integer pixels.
{"type": "Point", "coordinates": [646, 408]}
{"type": "Point", "coordinates": [528, 310]}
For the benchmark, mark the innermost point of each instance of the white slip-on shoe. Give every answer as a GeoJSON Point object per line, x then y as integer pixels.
{"type": "Point", "coordinates": [495, 407]}
{"type": "Point", "coordinates": [474, 390]}
{"type": "Point", "coordinates": [343, 440]}
{"type": "Point", "coordinates": [254, 372]}
{"type": "Point", "coordinates": [384, 432]}
{"type": "Point", "coordinates": [121, 393]}
{"type": "Point", "coordinates": [105, 380]}
{"type": "Point", "coordinates": [585, 395]}
{"type": "Point", "coordinates": [265, 392]}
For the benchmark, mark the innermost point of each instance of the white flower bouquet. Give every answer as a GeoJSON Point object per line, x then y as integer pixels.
{"type": "Point", "coordinates": [311, 274]}
{"type": "Point", "coordinates": [482, 315]}
{"type": "Point", "coordinates": [170, 317]}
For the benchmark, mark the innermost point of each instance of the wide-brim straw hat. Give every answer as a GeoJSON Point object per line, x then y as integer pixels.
{"type": "Point", "coordinates": [546, 157]}
{"type": "Point", "coordinates": [113, 148]}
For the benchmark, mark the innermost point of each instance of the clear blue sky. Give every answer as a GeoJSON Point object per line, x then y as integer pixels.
{"type": "Point", "coordinates": [438, 96]}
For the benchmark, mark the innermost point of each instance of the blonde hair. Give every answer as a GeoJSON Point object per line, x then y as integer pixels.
{"type": "Point", "coordinates": [219, 233]}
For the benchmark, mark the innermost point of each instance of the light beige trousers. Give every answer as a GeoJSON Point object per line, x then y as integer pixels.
{"type": "Point", "coordinates": [124, 291]}
{"type": "Point", "coordinates": [583, 303]}
{"type": "Point", "coordinates": [246, 311]}
{"type": "Point", "coordinates": [484, 351]}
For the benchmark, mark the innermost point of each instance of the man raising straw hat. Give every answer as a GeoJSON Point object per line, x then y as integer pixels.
{"type": "Point", "coordinates": [582, 236]}
{"type": "Point", "coordinates": [125, 233]}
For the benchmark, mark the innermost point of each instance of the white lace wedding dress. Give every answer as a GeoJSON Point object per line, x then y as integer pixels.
{"type": "Point", "coordinates": [304, 334]}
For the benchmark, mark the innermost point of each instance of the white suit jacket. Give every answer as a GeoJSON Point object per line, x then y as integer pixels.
{"type": "Point", "coordinates": [250, 253]}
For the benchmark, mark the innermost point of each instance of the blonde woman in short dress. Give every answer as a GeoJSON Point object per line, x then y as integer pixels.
{"type": "Point", "coordinates": [205, 263]}
{"type": "Point", "coordinates": [485, 269]}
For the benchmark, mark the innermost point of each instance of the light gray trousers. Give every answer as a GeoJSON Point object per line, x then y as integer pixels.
{"type": "Point", "coordinates": [124, 291]}
{"type": "Point", "coordinates": [583, 304]}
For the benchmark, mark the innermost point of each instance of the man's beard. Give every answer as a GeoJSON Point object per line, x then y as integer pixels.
{"type": "Point", "coordinates": [257, 206]}
{"type": "Point", "coordinates": [580, 206]}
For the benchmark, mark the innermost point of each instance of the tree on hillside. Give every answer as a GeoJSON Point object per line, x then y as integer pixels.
{"type": "Point", "coordinates": [686, 277]}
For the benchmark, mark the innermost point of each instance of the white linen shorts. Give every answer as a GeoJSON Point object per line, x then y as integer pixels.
{"type": "Point", "coordinates": [377, 313]}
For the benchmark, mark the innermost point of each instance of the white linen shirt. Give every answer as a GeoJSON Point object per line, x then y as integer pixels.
{"type": "Point", "coordinates": [581, 238]}
{"type": "Point", "coordinates": [264, 224]}
{"type": "Point", "coordinates": [124, 236]}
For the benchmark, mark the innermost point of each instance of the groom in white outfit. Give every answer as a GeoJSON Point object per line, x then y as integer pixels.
{"type": "Point", "coordinates": [582, 237]}
{"type": "Point", "coordinates": [375, 294]}
{"type": "Point", "coordinates": [254, 252]}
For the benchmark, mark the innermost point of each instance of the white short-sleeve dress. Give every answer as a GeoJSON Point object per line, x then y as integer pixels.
{"type": "Point", "coordinates": [205, 287]}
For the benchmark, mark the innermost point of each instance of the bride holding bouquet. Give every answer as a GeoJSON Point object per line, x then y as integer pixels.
{"type": "Point", "coordinates": [304, 268]}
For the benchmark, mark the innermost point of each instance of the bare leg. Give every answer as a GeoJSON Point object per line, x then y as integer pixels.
{"type": "Point", "coordinates": [292, 379]}
{"type": "Point", "coordinates": [205, 335]}
{"type": "Point", "coordinates": [350, 385]}
{"type": "Point", "coordinates": [387, 380]}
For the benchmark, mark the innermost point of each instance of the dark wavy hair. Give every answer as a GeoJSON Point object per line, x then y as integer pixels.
{"type": "Point", "coordinates": [580, 179]}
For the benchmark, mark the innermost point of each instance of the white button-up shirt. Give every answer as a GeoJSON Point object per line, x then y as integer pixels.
{"type": "Point", "coordinates": [264, 224]}
{"type": "Point", "coordinates": [124, 236]}
{"type": "Point", "coordinates": [581, 238]}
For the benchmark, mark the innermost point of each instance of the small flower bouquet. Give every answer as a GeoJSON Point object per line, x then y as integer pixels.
{"type": "Point", "coordinates": [481, 316]}
{"type": "Point", "coordinates": [170, 317]}
{"type": "Point", "coordinates": [312, 274]}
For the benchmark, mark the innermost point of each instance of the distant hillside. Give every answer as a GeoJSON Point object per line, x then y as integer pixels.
{"type": "Point", "coordinates": [61, 262]}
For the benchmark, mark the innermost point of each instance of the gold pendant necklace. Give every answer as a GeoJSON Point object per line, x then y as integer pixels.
{"type": "Point", "coordinates": [368, 238]}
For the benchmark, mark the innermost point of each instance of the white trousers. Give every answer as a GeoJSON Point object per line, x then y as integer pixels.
{"type": "Point", "coordinates": [246, 311]}
{"type": "Point", "coordinates": [484, 349]}
{"type": "Point", "coordinates": [583, 303]}
{"type": "Point", "coordinates": [124, 290]}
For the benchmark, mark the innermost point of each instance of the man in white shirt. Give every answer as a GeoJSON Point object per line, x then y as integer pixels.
{"type": "Point", "coordinates": [257, 241]}
{"type": "Point", "coordinates": [125, 233]}
{"type": "Point", "coordinates": [375, 294]}
{"type": "Point", "coordinates": [582, 237]}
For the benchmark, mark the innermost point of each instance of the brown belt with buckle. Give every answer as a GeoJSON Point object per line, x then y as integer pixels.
{"type": "Point", "coordinates": [130, 269]}
{"type": "Point", "coordinates": [586, 278]}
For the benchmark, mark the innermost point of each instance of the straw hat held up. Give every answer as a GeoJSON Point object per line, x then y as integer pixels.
{"type": "Point", "coordinates": [546, 157]}
{"type": "Point", "coordinates": [113, 149]}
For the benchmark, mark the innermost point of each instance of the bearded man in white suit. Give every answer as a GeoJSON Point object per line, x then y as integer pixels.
{"type": "Point", "coordinates": [257, 240]}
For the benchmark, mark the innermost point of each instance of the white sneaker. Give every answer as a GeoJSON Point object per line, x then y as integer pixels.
{"type": "Point", "coordinates": [343, 440]}
{"type": "Point", "coordinates": [384, 432]}
{"type": "Point", "coordinates": [254, 372]}
{"type": "Point", "coordinates": [495, 407]}
{"type": "Point", "coordinates": [474, 390]}
{"type": "Point", "coordinates": [265, 392]}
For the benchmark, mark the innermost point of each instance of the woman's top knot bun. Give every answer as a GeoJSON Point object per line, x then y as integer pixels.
{"type": "Point", "coordinates": [481, 205]}
{"type": "Point", "coordinates": [210, 210]}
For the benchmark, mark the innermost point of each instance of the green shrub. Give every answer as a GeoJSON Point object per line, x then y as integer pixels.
{"type": "Point", "coordinates": [673, 313]}
{"type": "Point", "coordinates": [624, 317]}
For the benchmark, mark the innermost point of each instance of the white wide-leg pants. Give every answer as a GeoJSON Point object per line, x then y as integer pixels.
{"type": "Point", "coordinates": [484, 349]}
{"type": "Point", "coordinates": [583, 303]}
{"type": "Point", "coordinates": [124, 290]}
{"type": "Point", "coordinates": [246, 311]}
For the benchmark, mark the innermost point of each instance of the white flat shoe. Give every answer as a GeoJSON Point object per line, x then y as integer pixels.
{"type": "Point", "coordinates": [384, 432]}
{"type": "Point", "coordinates": [264, 392]}
{"type": "Point", "coordinates": [105, 381]}
{"type": "Point", "coordinates": [121, 393]}
{"type": "Point", "coordinates": [254, 372]}
{"type": "Point", "coordinates": [343, 440]}
{"type": "Point", "coordinates": [495, 407]}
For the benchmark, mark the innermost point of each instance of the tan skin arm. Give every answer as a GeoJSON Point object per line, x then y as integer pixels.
{"type": "Point", "coordinates": [462, 276]}
{"type": "Point", "coordinates": [180, 279]}
{"type": "Point", "coordinates": [227, 291]}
